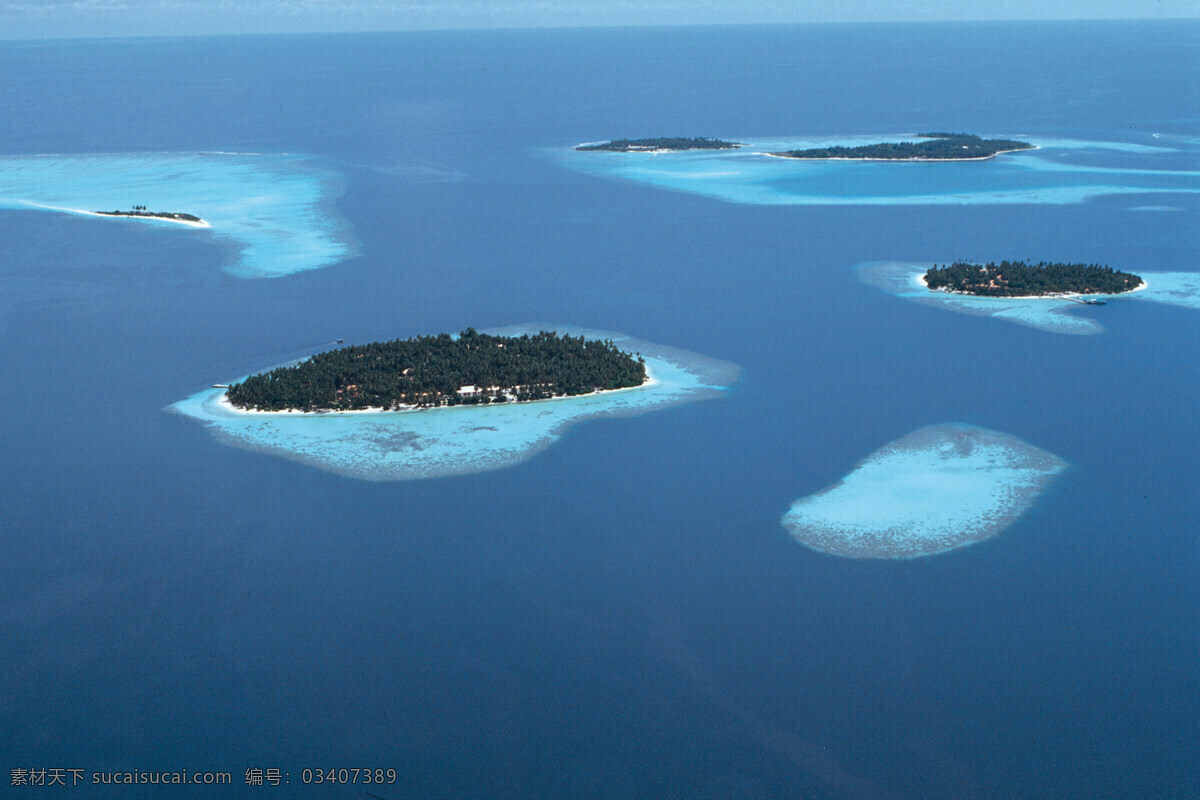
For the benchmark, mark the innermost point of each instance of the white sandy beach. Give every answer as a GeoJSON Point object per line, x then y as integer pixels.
{"type": "Point", "coordinates": [916, 159]}
{"type": "Point", "coordinates": [224, 404]}
{"type": "Point", "coordinates": [919, 279]}
{"type": "Point", "coordinates": [197, 224]}
{"type": "Point", "coordinates": [190, 223]}
{"type": "Point", "coordinates": [656, 150]}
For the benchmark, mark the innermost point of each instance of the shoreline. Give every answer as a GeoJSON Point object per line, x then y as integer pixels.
{"type": "Point", "coordinates": [659, 150]}
{"type": "Point", "coordinates": [224, 405]}
{"type": "Point", "coordinates": [190, 223]}
{"type": "Point", "coordinates": [652, 150]}
{"type": "Point", "coordinates": [919, 278]}
{"type": "Point", "coordinates": [199, 224]}
{"type": "Point", "coordinates": [914, 159]}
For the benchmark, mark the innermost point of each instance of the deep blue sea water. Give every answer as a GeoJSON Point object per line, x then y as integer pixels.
{"type": "Point", "coordinates": [621, 616]}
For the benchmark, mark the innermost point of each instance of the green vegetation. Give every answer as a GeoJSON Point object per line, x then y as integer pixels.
{"type": "Point", "coordinates": [140, 211]}
{"type": "Point", "coordinates": [662, 143]}
{"type": "Point", "coordinates": [1022, 279]}
{"type": "Point", "coordinates": [441, 371]}
{"type": "Point", "coordinates": [939, 146]}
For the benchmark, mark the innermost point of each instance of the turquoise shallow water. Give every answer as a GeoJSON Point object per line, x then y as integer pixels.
{"type": "Point", "coordinates": [1047, 314]}
{"type": "Point", "coordinates": [621, 614]}
{"type": "Point", "coordinates": [275, 212]}
{"type": "Point", "coordinates": [1057, 172]}
{"type": "Point", "coordinates": [439, 442]}
{"type": "Point", "coordinates": [936, 489]}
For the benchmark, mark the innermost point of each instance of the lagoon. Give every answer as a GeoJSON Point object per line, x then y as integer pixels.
{"type": "Point", "coordinates": [1059, 171]}
{"type": "Point", "coordinates": [275, 215]}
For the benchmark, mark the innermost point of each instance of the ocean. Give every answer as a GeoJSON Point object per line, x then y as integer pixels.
{"type": "Point", "coordinates": [620, 614]}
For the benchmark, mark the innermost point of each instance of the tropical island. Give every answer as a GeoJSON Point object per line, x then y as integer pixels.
{"type": "Point", "coordinates": [939, 146]}
{"type": "Point", "coordinates": [1022, 279]}
{"type": "Point", "coordinates": [430, 371]}
{"type": "Point", "coordinates": [660, 145]}
{"type": "Point", "coordinates": [140, 211]}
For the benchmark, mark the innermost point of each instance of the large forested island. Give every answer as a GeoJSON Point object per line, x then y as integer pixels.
{"type": "Point", "coordinates": [938, 146]}
{"type": "Point", "coordinates": [1022, 279]}
{"type": "Point", "coordinates": [428, 371]}
{"type": "Point", "coordinates": [660, 144]}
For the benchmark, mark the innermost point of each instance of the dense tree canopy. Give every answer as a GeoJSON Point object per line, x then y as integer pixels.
{"type": "Point", "coordinates": [435, 371]}
{"type": "Point", "coordinates": [661, 143]}
{"type": "Point", "coordinates": [939, 145]}
{"type": "Point", "coordinates": [1020, 279]}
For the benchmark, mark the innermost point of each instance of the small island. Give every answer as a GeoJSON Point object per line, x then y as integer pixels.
{"type": "Point", "coordinates": [416, 444]}
{"type": "Point", "coordinates": [660, 145]}
{"type": "Point", "coordinates": [1022, 279]}
{"type": "Point", "coordinates": [140, 211]}
{"type": "Point", "coordinates": [939, 146]}
{"type": "Point", "coordinates": [431, 371]}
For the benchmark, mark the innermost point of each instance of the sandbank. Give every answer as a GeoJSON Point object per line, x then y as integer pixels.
{"type": "Point", "coordinates": [196, 224]}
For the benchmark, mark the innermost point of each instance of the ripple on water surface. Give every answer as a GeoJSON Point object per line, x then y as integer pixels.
{"type": "Point", "coordinates": [1053, 314]}
{"type": "Point", "coordinates": [438, 442]}
{"type": "Point", "coordinates": [276, 212]}
{"type": "Point", "coordinates": [936, 489]}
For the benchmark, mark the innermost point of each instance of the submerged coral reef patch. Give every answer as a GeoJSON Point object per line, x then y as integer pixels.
{"type": "Point", "coordinates": [938, 488]}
